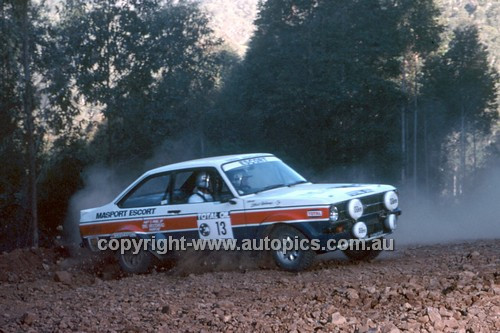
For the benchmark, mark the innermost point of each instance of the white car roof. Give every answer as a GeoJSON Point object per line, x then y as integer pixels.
{"type": "Point", "coordinates": [214, 161]}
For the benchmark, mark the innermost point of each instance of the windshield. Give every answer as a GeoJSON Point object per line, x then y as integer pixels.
{"type": "Point", "coordinates": [260, 174]}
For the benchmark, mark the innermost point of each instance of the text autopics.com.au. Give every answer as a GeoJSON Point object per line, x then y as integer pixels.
{"type": "Point", "coordinates": [165, 245]}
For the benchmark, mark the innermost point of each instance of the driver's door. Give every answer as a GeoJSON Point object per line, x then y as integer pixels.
{"type": "Point", "coordinates": [221, 218]}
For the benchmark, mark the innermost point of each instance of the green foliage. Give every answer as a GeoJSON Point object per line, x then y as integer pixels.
{"type": "Point", "coordinates": [59, 180]}
{"type": "Point", "coordinates": [459, 90]}
{"type": "Point", "coordinates": [462, 77]}
{"type": "Point", "coordinates": [13, 182]}
{"type": "Point", "coordinates": [485, 14]}
{"type": "Point", "coordinates": [318, 84]}
{"type": "Point", "coordinates": [10, 74]}
{"type": "Point", "coordinates": [150, 65]}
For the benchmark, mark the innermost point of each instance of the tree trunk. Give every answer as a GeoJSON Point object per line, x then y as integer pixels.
{"type": "Point", "coordinates": [403, 127]}
{"type": "Point", "coordinates": [415, 129]}
{"type": "Point", "coordinates": [426, 156]}
{"type": "Point", "coordinates": [109, 137]}
{"type": "Point", "coordinates": [474, 151]}
{"type": "Point", "coordinates": [202, 141]}
{"type": "Point", "coordinates": [462, 150]}
{"type": "Point", "coordinates": [30, 128]}
{"type": "Point", "coordinates": [403, 146]}
{"type": "Point", "coordinates": [415, 146]}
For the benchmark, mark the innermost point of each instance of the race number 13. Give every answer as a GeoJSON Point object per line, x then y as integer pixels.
{"type": "Point", "coordinates": [221, 228]}
{"type": "Point", "coordinates": [214, 225]}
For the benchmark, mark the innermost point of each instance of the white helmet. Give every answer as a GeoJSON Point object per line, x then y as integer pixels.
{"type": "Point", "coordinates": [203, 180]}
{"type": "Point", "coordinates": [239, 179]}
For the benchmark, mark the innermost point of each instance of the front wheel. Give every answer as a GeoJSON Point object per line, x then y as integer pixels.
{"type": "Point", "coordinates": [135, 263]}
{"type": "Point", "coordinates": [295, 259]}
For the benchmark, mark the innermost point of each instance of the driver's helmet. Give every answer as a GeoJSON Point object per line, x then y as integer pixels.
{"type": "Point", "coordinates": [203, 180]}
{"type": "Point", "coordinates": [239, 179]}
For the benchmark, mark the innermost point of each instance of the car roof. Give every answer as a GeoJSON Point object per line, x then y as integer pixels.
{"type": "Point", "coordinates": [214, 161]}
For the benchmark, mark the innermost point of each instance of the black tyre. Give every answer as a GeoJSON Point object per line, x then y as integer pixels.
{"type": "Point", "coordinates": [294, 260]}
{"type": "Point", "coordinates": [362, 255]}
{"type": "Point", "coordinates": [135, 263]}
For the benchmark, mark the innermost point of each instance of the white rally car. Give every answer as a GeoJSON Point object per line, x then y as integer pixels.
{"type": "Point", "coordinates": [242, 197]}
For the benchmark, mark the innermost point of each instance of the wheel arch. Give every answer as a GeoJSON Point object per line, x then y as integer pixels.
{"type": "Point", "coordinates": [267, 229]}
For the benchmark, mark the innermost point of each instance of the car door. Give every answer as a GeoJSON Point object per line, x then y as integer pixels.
{"type": "Point", "coordinates": [146, 204]}
{"type": "Point", "coordinates": [216, 219]}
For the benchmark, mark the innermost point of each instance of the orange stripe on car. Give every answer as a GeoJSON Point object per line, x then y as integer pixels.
{"type": "Point", "coordinates": [190, 222]}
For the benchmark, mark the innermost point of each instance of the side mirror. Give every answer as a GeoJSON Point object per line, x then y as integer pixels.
{"type": "Point", "coordinates": [231, 200]}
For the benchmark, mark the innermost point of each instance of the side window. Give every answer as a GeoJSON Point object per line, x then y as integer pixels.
{"type": "Point", "coordinates": [185, 185]}
{"type": "Point", "coordinates": [221, 190]}
{"type": "Point", "coordinates": [152, 191]}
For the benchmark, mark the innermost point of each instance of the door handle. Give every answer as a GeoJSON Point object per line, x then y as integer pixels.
{"type": "Point", "coordinates": [177, 211]}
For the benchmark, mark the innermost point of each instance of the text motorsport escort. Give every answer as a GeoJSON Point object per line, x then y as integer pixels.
{"type": "Point", "coordinates": [242, 197]}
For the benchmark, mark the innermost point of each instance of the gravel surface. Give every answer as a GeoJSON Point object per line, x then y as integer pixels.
{"type": "Point", "coordinates": [451, 288]}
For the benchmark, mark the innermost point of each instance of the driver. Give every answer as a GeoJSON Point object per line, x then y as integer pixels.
{"type": "Point", "coordinates": [201, 192]}
{"type": "Point", "coordinates": [239, 181]}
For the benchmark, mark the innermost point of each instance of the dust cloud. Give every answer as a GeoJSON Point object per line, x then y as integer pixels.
{"type": "Point", "coordinates": [429, 219]}
{"type": "Point", "coordinates": [477, 216]}
{"type": "Point", "coordinates": [102, 184]}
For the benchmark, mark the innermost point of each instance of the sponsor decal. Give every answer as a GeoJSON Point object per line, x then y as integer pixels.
{"type": "Point", "coordinates": [213, 215]}
{"type": "Point", "coordinates": [261, 203]}
{"type": "Point", "coordinates": [125, 213]}
{"type": "Point", "coordinates": [247, 162]}
{"type": "Point", "coordinates": [253, 161]}
{"type": "Point", "coordinates": [137, 212]}
{"type": "Point", "coordinates": [314, 213]}
{"type": "Point", "coordinates": [214, 225]}
{"type": "Point", "coordinates": [153, 225]}
{"type": "Point", "coordinates": [204, 229]}
{"type": "Point", "coordinates": [107, 215]}
{"type": "Point", "coordinates": [358, 192]}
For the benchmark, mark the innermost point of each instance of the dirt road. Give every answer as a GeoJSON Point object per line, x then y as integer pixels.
{"type": "Point", "coordinates": [453, 287]}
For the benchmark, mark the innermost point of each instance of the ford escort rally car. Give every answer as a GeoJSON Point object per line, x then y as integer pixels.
{"type": "Point", "coordinates": [241, 197]}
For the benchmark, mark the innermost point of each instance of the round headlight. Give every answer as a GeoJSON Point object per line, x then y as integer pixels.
{"type": "Point", "coordinates": [390, 221]}
{"type": "Point", "coordinates": [391, 200]}
{"type": "Point", "coordinates": [334, 214]}
{"type": "Point", "coordinates": [359, 230]}
{"type": "Point", "coordinates": [355, 208]}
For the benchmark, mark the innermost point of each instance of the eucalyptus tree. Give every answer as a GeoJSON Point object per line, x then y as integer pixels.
{"type": "Point", "coordinates": [21, 35]}
{"type": "Point", "coordinates": [461, 88]}
{"type": "Point", "coordinates": [148, 65]}
{"type": "Point", "coordinates": [320, 80]}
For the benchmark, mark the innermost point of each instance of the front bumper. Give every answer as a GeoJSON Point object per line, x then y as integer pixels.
{"type": "Point", "coordinates": [342, 229]}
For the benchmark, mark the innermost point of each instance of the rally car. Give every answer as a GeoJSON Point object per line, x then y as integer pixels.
{"type": "Point", "coordinates": [241, 197]}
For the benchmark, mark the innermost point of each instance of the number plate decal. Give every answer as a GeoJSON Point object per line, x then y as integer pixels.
{"type": "Point", "coordinates": [214, 225]}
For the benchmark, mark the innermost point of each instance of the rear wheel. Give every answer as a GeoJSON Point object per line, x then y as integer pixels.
{"type": "Point", "coordinates": [295, 259]}
{"type": "Point", "coordinates": [135, 263]}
